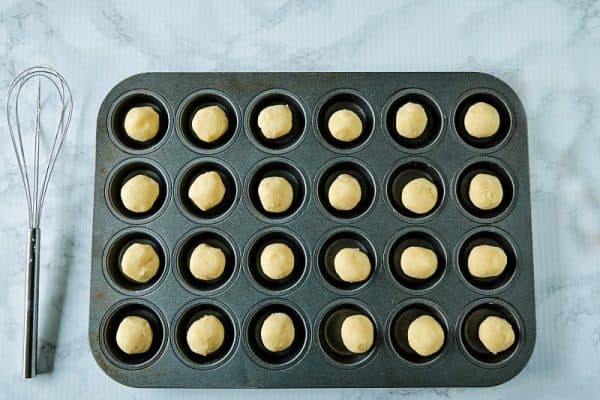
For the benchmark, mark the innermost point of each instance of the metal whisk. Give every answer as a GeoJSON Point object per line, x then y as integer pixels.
{"type": "Point", "coordinates": [35, 181]}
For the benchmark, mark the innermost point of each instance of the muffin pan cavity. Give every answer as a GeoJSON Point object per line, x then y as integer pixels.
{"type": "Point", "coordinates": [302, 222]}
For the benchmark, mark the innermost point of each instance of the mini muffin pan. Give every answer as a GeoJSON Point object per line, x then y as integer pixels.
{"type": "Point", "coordinates": [314, 296]}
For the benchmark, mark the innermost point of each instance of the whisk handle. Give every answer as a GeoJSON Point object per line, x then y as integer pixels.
{"type": "Point", "coordinates": [32, 274]}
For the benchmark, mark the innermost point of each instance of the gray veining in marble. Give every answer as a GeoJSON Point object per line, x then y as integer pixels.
{"type": "Point", "coordinates": [548, 51]}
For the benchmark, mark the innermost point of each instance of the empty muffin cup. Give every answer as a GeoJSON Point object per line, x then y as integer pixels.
{"type": "Point", "coordinates": [187, 177]}
{"type": "Point", "coordinates": [288, 356]}
{"type": "Point", "coordinates": [201, 100]}
{"type": "Point", "coordinates": [330, 333]}
{"type": "Point", "coordinates": [504, 119]}
{"type": "Point", "coordinates": [286, 141]}
{"type": "Point", "coordinates": [194, 312]}
{"type": "Point", "coordinates": [110, 326]}
{"type": "Point", "coordinates": [432, 112]}
{"type": "Point", "coordinates": [480, 168]}
{"type": "Point", "coordinates": [183, 255]}
{"type": "Point", "coordinates": [399, 327]}
{"type": "Point", "coordinates": [114, 256]}
{"type": "Point", "coordinates": [255, 252]}
{"type": "Point", "coordinates": [128, 170]}
{"type": "Point", "coordinates": [345, 100]}
{"type": "Point", "coordinates": [422, 240]}
{"type": "Point", "coordinates": [469, 332]}
{"type": "Point", "coordinates": [408, 173]}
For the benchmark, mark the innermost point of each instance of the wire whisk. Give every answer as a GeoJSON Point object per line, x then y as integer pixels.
{"type": "Point", "coordinates": [36, 186]}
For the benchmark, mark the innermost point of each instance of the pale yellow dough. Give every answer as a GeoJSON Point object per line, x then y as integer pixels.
{"type": "Point", "coordinates": [275, 121]}
{"type": "Point", "coordinates": [276, 194]}
{"type": "Point", "coordinates": [411, 120]}
{"type": "Point", "coordinates": [485, 191]}
{"type": "Point", "coordinates": [141, 123]}
{"type": "Point", "coordinates": [207, 262]}
{"type": "Point", "coordinates": [134, 335]}
{"type": "Point", "coordinates": [345, 125]}
{"type": "Point", "coordinates": [482, 120]}
{"type": "Point", "coordinates": [486, 261]}
{"type": "Point", "coordinates": [207, 190]}
{"type": "Point", "coordinates": [419, 195]}
{"type": "Point", "coordinates": [205, 335]}
{"type": "Point", "coordinates": [358, 333]}
{"type": "Point", "coordinates": [139, 193]}
{"type": "Point", "coordinates": [210, 123]}
{"type": "Point", "coordinates": [352, 265]}
{"type": "Point", "coordinates": [344, 192]}
{"type": "Point", "coordinates": [277, 332]}
{"type": "Point", "coordinates": [418, 262]}
{"type": "Point", "coordinates": [496, 334]}
{"type": "Point", "coordinates": [140, 262]}
{"type": "Point", "coordinates": [277, 260]}
{"type": "Point", "coordinates": [425, 335]}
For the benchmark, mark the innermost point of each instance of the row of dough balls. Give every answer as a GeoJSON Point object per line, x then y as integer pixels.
{"type": "Point", "coordinates": [277, 333]}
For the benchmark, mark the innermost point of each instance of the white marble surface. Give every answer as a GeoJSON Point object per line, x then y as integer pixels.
{"type": "Point", "coordinates": [549, 51]}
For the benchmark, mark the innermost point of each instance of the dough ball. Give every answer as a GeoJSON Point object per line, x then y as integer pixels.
{"type": "Point", "coordinates": [345, 125]}
{"type": "Point", "coordinates": [141, 123]}
{"type": "Point", "coordinates": [134, 335]}
{"type": "Point", "coordinates": [352, 265]}
{"type": "Point", "coordinates": [344, 192]}
{"type": "Point", "coordinates": [275, 121]}
{"type": "Point", "coordinates": [277, 260]}
{"type": "Point", "coordinates": [411, 120]}
{"type": "Point", "coordinates": [207, 190]}
{"type": "Point", "coordinates": [207, 262]}
{"type": "Point", "coordinates": [358, 333]}
{"type": "Point", "coordinates": [485, 191]}
{"type": "Point", "coordinates": [425, 335]}
{"type": "Point", "coordinates": [205, 335]}
{"type": "Point", "coordinates": [486, 261]}
{"type": "Point", "coordinates": [276, 194]}
{"type": "Point", "coordinates": [210, 123]}
{"type": "Point", "coordinates": [277, 332]}
{"type": "Point", "coordinates": [139, 193]}
{"type": "Point", "coordinates": [419, 196]}
{"type": "Point", "coordinates": [418, 262]}
{"type": "Point", "coordinates": [140, 262]}
{"type": "Point", "coordinates": [482, 120]}
{"type": "Point", "coordinates": [496, 334]}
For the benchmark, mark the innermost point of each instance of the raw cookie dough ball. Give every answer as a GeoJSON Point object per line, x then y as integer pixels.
{"type": "Point", "coordinates": [352, 265]}
{"type": "Point", "coordinates": [277, 332]}
{"type": "Point", "coordinates": [275, 121]}
{"type": "Point", "coordinates": [419, 195]}
{"type": "Point", "coordinates": [134, 335]}
{"type": "Point", "coordinates": [418, 262]}
{"type": "Point", "coordinates": [139, 193]}
{"type": "Point", "coordinates": [141, 123]}
{"type": "Point", "coordinates": [140, 262]}
{"type": "Point", "coordinates": [486, 261]}
{"type": "Point", "coordinates": [485, 191]}
{"type": "Point", "coordinates": [277, 261]}
{"type": "Point", "coordinates": [205, 335]}
{"type": "Point", "coordinates": [276, 194]}
{"type": "Point", "coordinates": [345, 125]}
{"type": "Point", "coordinates": [207, 190]}
{"type": "Point", "coordinates": [206, 262]}
{"type": "Point", "coordinates": [496, 334]}
{"type": "Point", "coordinates": [411, 120]}
{"type": "Point", "coordinates": [210, 123]}
{"type": "Point", "coordinates": [425, 335]}
{"type": "Point", "coordinates": [344, 192]}
{"type": "Point", "coordinates": [482, 120]}
{"type": "Point", "coordinates": [357, 333]}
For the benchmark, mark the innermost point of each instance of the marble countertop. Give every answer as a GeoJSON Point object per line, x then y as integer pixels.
{"type": "Point", "coordinates": [548, 51]}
